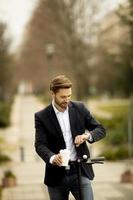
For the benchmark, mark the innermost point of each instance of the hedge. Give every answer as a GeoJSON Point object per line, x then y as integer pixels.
{"type": "Point", "coordinates": [5, 111]}
{"type": "Point", "coordinates": [116, 141]}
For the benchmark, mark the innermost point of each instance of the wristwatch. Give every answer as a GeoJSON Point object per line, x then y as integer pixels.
{"type": "Point", "coordinates": [87, 134]}
{"type": "Point", "coordinates": [90, 138]}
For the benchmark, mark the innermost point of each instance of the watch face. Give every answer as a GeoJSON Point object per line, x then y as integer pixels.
{"type": "Point", "coordinates": [88, 134]}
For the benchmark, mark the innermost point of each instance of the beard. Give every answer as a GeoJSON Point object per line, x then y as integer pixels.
{"type": "Point", "coordinates": [62, 105]}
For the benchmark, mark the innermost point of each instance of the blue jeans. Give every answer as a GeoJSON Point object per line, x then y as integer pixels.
{"type": "Point", "coordinates": [70, 184]}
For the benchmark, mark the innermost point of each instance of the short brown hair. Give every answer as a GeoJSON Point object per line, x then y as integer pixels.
{"type": "Point", "coordinates": [60, 82]}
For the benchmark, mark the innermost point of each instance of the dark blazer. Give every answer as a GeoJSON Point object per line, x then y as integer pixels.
{"type": "Point", "coordinates": [49, 138]}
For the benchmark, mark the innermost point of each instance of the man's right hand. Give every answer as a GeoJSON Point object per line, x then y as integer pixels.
{"type": "Point", "coordinates": [57, 160]}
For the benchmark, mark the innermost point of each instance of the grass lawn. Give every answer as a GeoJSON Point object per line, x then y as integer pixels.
{"type": "Point", "coordinates": [116, 146]}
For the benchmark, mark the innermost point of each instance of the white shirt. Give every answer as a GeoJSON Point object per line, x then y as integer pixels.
{"type": "Point", "coordinates": [64, 122]}
{"type": "Point", "coordinates": [63, 119]}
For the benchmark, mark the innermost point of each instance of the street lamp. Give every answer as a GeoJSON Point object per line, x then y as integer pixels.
{"type": "Point", "coordinates": [130, 128]}
{"type": "Point", "coordinates": [50, 49]}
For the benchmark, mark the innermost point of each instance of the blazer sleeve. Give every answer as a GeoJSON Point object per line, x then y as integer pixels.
{"type": "Point", "coordinates": [95, 128]}
{"type": "Point", "coordinates": [41, 143]}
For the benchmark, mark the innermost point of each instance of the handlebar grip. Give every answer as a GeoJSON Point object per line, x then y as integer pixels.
{"type": "Point", "coordinates": [97, 159]}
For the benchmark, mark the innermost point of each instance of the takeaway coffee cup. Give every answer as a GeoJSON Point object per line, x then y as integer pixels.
{"type": "Point", "coordinates": [65, 154]}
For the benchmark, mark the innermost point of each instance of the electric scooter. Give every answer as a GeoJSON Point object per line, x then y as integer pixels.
{"type": "Point", "coordinates": [90, 161]}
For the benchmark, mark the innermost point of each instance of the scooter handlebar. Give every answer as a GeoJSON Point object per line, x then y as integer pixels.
{"type": "Point", "coordinates": [95, 160]}
{"type": "Point", "coordinates": [98, 160]}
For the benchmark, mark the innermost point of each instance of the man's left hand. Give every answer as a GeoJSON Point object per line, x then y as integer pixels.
{"type": "Point", "coordinates": [79, 139]}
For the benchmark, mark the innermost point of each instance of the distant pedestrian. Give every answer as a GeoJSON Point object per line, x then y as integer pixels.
{"type": "Point", "coordinates": [63, 125]}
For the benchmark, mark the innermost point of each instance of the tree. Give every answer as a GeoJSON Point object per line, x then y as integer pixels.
{"type": "Point", "coordinates": [113, 54]}
{"type": "Point", "coordinates": [126, 57]}
{"type": "Point", "coordinates": [56, 23]}
{"type": "Point", "coordinates": [6, 67]}
{"type": "Point", "coordinates": [7, 87]}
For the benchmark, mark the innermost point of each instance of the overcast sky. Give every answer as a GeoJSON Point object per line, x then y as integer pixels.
{"type": "Point", "coordinates": [16, 13]}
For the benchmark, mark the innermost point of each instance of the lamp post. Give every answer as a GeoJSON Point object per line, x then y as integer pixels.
{"type": "Point", "coordinates": [130, 128]}
{"type": "Point", "coordinates": [50, 49]}
{"type": "Point", "coordinates": [127, 176]}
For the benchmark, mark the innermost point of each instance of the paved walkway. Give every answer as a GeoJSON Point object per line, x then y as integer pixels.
{"type": "Point", "coordinates": [29, 168]}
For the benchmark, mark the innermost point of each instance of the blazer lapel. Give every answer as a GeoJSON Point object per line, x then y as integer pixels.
{"type": "Point", "coordinates": [54, 121]}
{"type": "Point", "coordinates": [72, 117]}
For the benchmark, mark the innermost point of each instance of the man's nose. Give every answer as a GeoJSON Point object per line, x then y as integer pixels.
{"type": "Point", "coordinates": [67, 100]}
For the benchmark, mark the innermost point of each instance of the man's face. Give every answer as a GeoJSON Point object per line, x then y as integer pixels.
{"type": "Point", "coordinates": [62, 97]}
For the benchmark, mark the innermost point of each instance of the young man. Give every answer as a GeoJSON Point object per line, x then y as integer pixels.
{"type": "Point", "coordinates": [63, 125]}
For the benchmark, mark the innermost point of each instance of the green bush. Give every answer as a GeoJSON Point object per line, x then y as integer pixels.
{"type": "Point", "coordinates": [117, 131]}
{"type": "Point", "coordinates": [115, 153]}
{"type": "Point", "coordinates": [122, 152]}
{"type": "Point", "coordinates": [109, 155]}
{"type": "Point", "coordinates": [4, 158]}
{"type": "Point", "coordinates": [9, 173]}
{"type": "Point", "coordinates": [116, 137]}
{"type": "Point", "coordinates": [5, 110]}
{"type": "Point", "coordinates": [116, 126]}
